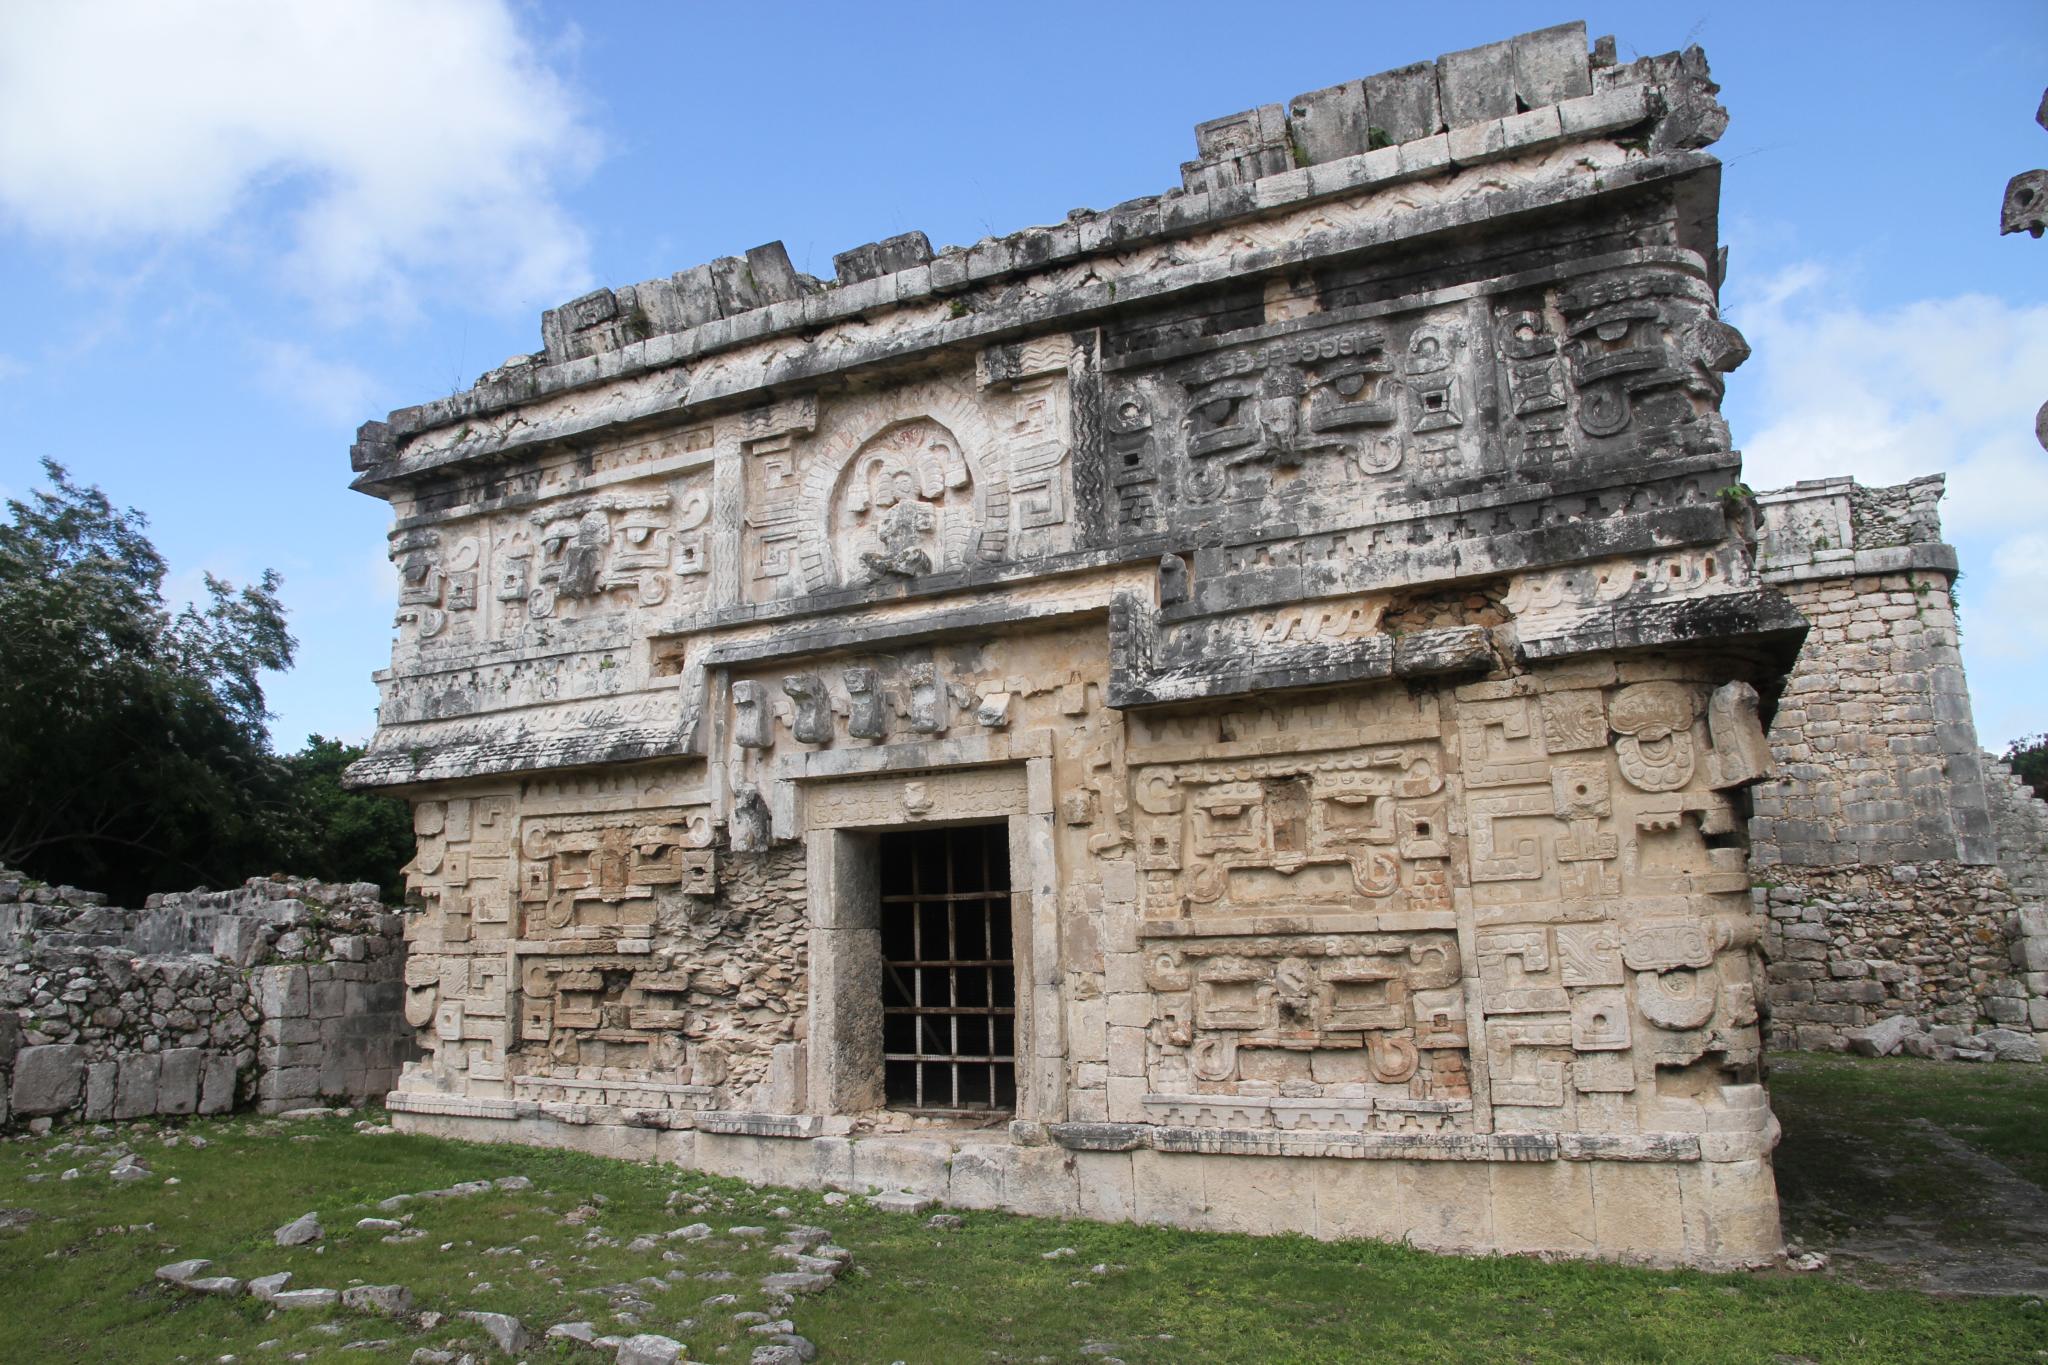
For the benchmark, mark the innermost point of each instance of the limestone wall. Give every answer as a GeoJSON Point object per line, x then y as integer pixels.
{"type": "Point", "coordinates": [279, 994]}
{"type": "Point", "coordinates": [1896, 857]}
{"type": "Point", "coordinates": [1328, 580]}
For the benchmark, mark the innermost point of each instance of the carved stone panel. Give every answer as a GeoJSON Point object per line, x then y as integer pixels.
{"type": "Point", "coordinates": [1323, 834]}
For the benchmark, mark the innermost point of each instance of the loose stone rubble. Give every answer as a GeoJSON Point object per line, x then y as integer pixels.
{"type": "Point", "coordinates": [276, 993]}
{"type": "Point", "coordinates": [1331, 580]}
{"type": "Point", "coordinates": [1903, 870]}
{"type": "Point", "coordinates": [818, 1260]}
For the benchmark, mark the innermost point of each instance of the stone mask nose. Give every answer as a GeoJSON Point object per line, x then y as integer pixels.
{"type": "Point", "coordinates": [1280, 418]}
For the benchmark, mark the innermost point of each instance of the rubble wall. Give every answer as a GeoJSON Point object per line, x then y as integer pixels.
{"type": "Point", "coordinates": [279, 994]}
{"type": "Point", "coordinates": [1332, 580]}
{"type": "Point", "coordinates": [1895, 859]}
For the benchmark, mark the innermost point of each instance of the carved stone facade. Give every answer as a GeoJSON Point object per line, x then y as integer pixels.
{"type": "Point", "coordinates": [1318, 580]}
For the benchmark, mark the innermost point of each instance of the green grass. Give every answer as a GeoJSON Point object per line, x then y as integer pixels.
{"type": "Point", "coordinates": [78, 1281]}
{"type": "Point", "coordinates": [1863, 1146]}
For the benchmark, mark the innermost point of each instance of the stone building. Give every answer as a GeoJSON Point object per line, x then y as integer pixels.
{"type": "Point", "coordinates": [1232, 710]}
{"type": "Point", "coordinates": [1902, 869]}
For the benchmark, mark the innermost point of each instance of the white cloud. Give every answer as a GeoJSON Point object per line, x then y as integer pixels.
{"type": "Point", "coordinates": [2009, 623]}
{"type": "Point", "coordinates": [332, 390]}
{"type": "Point", "coordinates": [1884, 395]}
{"type": "Point", "coordinates": [407, 143]}
{"type": "Point", "coordinates": [1936, 385]}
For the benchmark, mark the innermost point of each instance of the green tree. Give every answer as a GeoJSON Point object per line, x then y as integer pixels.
{"type": "Point", "coordinates": [326, 831]}
{"type": "Point", "coordinates": [2028, 756]}
{"type": "Point", "coordinates": [132, 743]}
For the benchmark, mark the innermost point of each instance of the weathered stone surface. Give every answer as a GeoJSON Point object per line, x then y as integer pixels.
{"type": "Point", "coordinates": [1309, 597]}
{"type": "Point", "coordinates": [165, 1026]}
{"type": "Point", "coordinates": [268, 1287]}
{"type": "Point", "coordinates": [226, 1286]}
{"type": "Point", "coordinates": [301, 1230]}
{"type": "Point", "coordinates": [897, 1201]}
{"type": "Point", "coordinates": [182, 1272]}
{"type": "Point", "coordinates": [305, 1298]}
{"type": "Point", "coordinates": [503, 1328]}
{"type": "Point", "coordinates": [650, 1349]}
{"type": "Point", "coordinates": [1898, 853]}
{"type": "Point", "coordinates": [2026, 204]}
{"type": "Point", "coordinates": [796, 1282]}
{"type": "Point", "coordinates": [47, 1079]}
{"type": "Point", "coordinates": [392, 1300]}
{"type": "Point", "coordinates": [1883, 1038]}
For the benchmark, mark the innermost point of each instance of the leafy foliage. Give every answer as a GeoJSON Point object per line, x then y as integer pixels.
{"type": "Point", "coordinates": [2028, 757]}
{"type": "Point", "coordinates": [132, 736]}
{"type": "Point", "coordinates": [325, 831]}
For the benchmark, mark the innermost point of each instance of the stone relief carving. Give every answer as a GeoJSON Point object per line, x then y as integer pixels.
{"type": "Point", "coordinates": [462, 866]}
{"type": "Point", "coordinates": [1373, 1022]}
{"type": "Point", "coordinates": [1293, 399]}
{"type": "Point", "coordinates": [905, 507]}
{"type": "Point", "coordinates": [590, 877]}
{"type": "Point", "coordinates": [1570, 970]}
{"type": "Point", "coordinates": [933, 479]}
{"type": "Point", "coordinates": [435, 587]}
{"type": "Point", "coordinates": [1654, 725]}
{"type": "Point", "coordinates": [1289, 835]}
{"type": "Point", "coordinates": [1645, 347]}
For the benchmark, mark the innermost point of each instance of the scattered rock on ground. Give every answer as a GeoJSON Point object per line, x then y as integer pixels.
{"type": "Point", "coordinates": [650, 1349]}
{"type": "Point", "coordinates": [1882, 1038]}
{"type": "Point", "coordinates": [227, 1286]}
{"type": "Point", "coordinates": [392, 1300]}
{"type": "Point", "coordinates": [505, 1329]}
{"type": "Point", "coordinates": [268, 1287]}
{"type": "Point", "coordinates": [796, 1282]}
{"type": "Point", "coordinates": [301, 1230]}
{"type": "Point", "coordinates": [900, 1201]}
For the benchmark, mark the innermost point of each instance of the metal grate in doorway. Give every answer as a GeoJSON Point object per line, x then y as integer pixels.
{"type": "Point", "coordinates": [949, 985]}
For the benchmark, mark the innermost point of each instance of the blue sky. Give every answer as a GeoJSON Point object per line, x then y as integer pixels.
{"type": "Point", "coordinates": [231, 231]}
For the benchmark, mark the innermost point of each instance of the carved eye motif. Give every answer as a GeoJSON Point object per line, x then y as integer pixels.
{"type": "Point", "coordinates": [1221, 416]}
{"type": "Point", "coordinates": [1347, 394]}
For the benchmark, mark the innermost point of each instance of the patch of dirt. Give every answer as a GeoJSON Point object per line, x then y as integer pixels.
{"type": "Point", "coordinates": [1992, 1240]}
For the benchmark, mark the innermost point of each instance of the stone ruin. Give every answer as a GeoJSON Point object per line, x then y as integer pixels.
{"type": "Point", "coordinates": [1234, 710]}
{"type": "Point", "coordinates": [1902, 870]}
{"type": "Point", "coordinates": [280, 994]}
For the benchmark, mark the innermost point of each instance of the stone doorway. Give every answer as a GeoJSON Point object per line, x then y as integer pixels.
{"type": "Point", "coordinates": [949, 981]}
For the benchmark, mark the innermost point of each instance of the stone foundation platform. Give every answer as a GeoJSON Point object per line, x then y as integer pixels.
{"type": "Point", "coordinates": [1605, 1197]}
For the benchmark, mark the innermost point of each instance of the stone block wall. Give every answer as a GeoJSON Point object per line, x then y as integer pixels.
{"type": "Point", "coordinates": [279, 993]}
{"type": "Point", "coordinates": [1942, 944]}
{"type": "Point", "coordinates": [1897, 862]}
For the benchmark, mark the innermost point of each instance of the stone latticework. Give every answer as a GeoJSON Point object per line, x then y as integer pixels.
{"type": "Point", "coordinates": [1901, 868]}
{"type": "Point", "coordinates": [1330, 582]}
